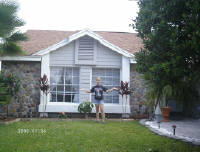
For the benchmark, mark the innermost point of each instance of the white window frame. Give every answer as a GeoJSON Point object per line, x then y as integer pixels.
{"type": "Point", "coordinates": [64, 84]}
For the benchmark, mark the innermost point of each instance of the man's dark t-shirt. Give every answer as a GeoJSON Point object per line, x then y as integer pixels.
{"type": "Point", "coordinates": [98, 90]}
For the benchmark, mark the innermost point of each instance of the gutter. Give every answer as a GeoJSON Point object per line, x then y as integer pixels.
{"type": "Point", "coordinates": [20, 58]}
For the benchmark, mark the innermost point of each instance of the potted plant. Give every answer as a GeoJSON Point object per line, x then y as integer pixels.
{"type": "Point", "coordinates": [158, 95]}
{"type": "Point", "coordinates": [86, 108]}
{"type": "Point", "coordinates": [166, 94]}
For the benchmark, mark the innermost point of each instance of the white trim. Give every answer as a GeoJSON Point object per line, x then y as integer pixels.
{"type": "Point", "coordinates": [20, 58]}
{"type": "Point", "coordinates": [73, 107]}
{"type": "Point", "coordinates": [132, 60]}
{"type": "Point", "coordinates": [126, 77]}
{"type": "Point", "coordinates": [45, 69]}
{"type": "Point", "coordinates": [0, 65]}
{"type": "Point", "coordinates": [81, 34]}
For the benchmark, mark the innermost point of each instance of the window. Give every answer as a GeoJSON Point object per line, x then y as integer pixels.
{"type": "Point", "coordinates": [109, 78]}
{"type": "Point", "coordinates": [64, 84]}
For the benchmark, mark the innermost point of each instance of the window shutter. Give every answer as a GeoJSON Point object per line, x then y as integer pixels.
{"type": "Point", "coordinates": [85, 50]}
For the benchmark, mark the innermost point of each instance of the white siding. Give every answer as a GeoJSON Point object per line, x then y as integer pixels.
{"type": "Point", "coordinates": [104, 56]}
{"type": "Point", "coordinates": [63, 56]}
{"type": "Point", "coordinates": [107, 58]}
{"type": "Point", "coordinates": [85, 82]}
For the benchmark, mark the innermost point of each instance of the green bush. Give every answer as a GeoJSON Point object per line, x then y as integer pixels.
{"type": "Point", "coordinates": [9, 86]}
{"type": "Point", "coordinates": [85, 107]}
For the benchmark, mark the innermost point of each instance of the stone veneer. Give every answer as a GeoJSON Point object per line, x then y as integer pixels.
{"type": "Point", "coordinates": [137, 99]}
{"type": "Point", "coordinates": [25, 104]}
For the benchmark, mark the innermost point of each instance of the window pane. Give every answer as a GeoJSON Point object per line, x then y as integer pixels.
{"type": "Point", "coordinates": [59, 97]}
{"type": "Point", "coordinates": [67, 97]}
{"type": "Point", "coordinates": [60, 88]}
{"type": "Point", "coordinates": [75, 80]}
{"type": "Point", "coordinates": [68, 72]}
{"type": "Point", "coordinates": [116, 81]}
{"type": "Point", "coordinates": [76, 72]}
{"type": "Point", "coordinates": [68, 88]}
{"type": "Point", "coordinates": [109, 72]}
{"type": "Point", "coordinates": [68, 79]}
{"type": "Point", "coordinates": [53, 97]}
{"type": "Point", "coordinates": [75, 88]}
{"type": "Point", "coordinates": [108, 81]}
{"type": "Point", "coordinates": [53, 88]}
{"type": "Point", "coordinates": [116, 99]}
{"type": "Point", "coordinates": [116, 73]}
{"type": "Point", "coordinates": [59, 79]}
{"type": "Point", "coordinates": [75, 97]}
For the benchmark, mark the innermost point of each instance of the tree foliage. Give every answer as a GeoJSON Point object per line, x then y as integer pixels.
{"type": "Point", "coordinates": [9, 87]}
{"type": "Point", "coordinates": [9, 32]}
{"type": "Point", "coordinates": [171, 52]}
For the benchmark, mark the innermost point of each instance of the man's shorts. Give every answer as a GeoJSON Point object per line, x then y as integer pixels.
{"type": "Point", "coordinates": [98, 101]}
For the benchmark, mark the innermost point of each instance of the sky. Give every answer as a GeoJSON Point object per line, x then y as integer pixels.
{"type": "Point", "coordinates": [97, 15]}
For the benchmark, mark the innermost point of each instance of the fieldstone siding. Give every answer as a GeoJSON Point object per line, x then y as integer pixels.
{"type": "Point", "coordinates": [137, 99]}
{"type": "Point", "coordinates": [25, 104]}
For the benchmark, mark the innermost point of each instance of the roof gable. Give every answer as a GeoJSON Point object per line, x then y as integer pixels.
{"type": "Point", "coordinates": [81, 34]}
{"type": "Point", "coordinates": [42, 39]}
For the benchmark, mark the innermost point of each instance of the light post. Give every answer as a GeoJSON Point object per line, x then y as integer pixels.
{"type": "Point", "coordinates": [174, 129]}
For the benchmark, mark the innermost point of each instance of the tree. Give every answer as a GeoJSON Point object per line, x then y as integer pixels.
{"type": "Point", "coordinates": [171, 53]}
{"type": "Point", "coordinates": [9, 87]}
{"type": "Point", "coordinates": [9, 33]}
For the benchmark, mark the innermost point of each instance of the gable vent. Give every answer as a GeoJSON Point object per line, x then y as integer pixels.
{"type": "Point", "coordinates": [86, 48]}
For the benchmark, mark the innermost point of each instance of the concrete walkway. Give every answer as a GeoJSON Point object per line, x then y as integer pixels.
{"type": "Point", "coordinates": [186, 130]}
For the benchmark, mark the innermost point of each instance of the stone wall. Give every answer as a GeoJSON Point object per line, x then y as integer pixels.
{"type": "Point", "coordinates": [137, 99]}
{"type": "Point", "coordinates": [25, 104]}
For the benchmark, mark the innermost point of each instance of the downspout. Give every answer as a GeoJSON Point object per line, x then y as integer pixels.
{"type": "Point", "coordinates": [0, 66]}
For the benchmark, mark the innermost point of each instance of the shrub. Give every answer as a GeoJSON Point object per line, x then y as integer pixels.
{"type": "Point", "coordinates": [9, 86]}
{"type": "Point", "coordinates": [85, 107]}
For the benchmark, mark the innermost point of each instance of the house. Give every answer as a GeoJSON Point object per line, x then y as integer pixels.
{"type": "Point", "coordinates": [72, 60]}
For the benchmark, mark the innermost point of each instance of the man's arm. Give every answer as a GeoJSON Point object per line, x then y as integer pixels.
{"type": "Point", "coordinates": [109, 90]}
{"type": "Point", "coordinates": [86, 90]}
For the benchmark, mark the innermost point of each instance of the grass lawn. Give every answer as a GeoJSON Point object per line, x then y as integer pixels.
{"type": "Point", "coordinates": [85, 136]}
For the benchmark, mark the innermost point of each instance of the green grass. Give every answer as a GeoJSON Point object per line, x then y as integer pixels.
{"type": "Point", "coordinates": [85, 136]}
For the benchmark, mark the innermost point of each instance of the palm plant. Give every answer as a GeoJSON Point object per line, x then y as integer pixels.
{"type": "Point", "coordinates": [9, 34]}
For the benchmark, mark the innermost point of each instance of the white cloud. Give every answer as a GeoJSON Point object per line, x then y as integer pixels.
{"type": "Point", "coordinates": [100, 15]}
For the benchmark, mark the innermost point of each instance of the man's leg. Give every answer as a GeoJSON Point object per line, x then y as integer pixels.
{"type": "Point", "coordinates": [97, 111]}
{"type": "Point", "coordinates": [102, 112]}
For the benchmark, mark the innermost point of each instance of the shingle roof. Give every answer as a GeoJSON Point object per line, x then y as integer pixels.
{"type": "Point", "coordinates": [41, 39]}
